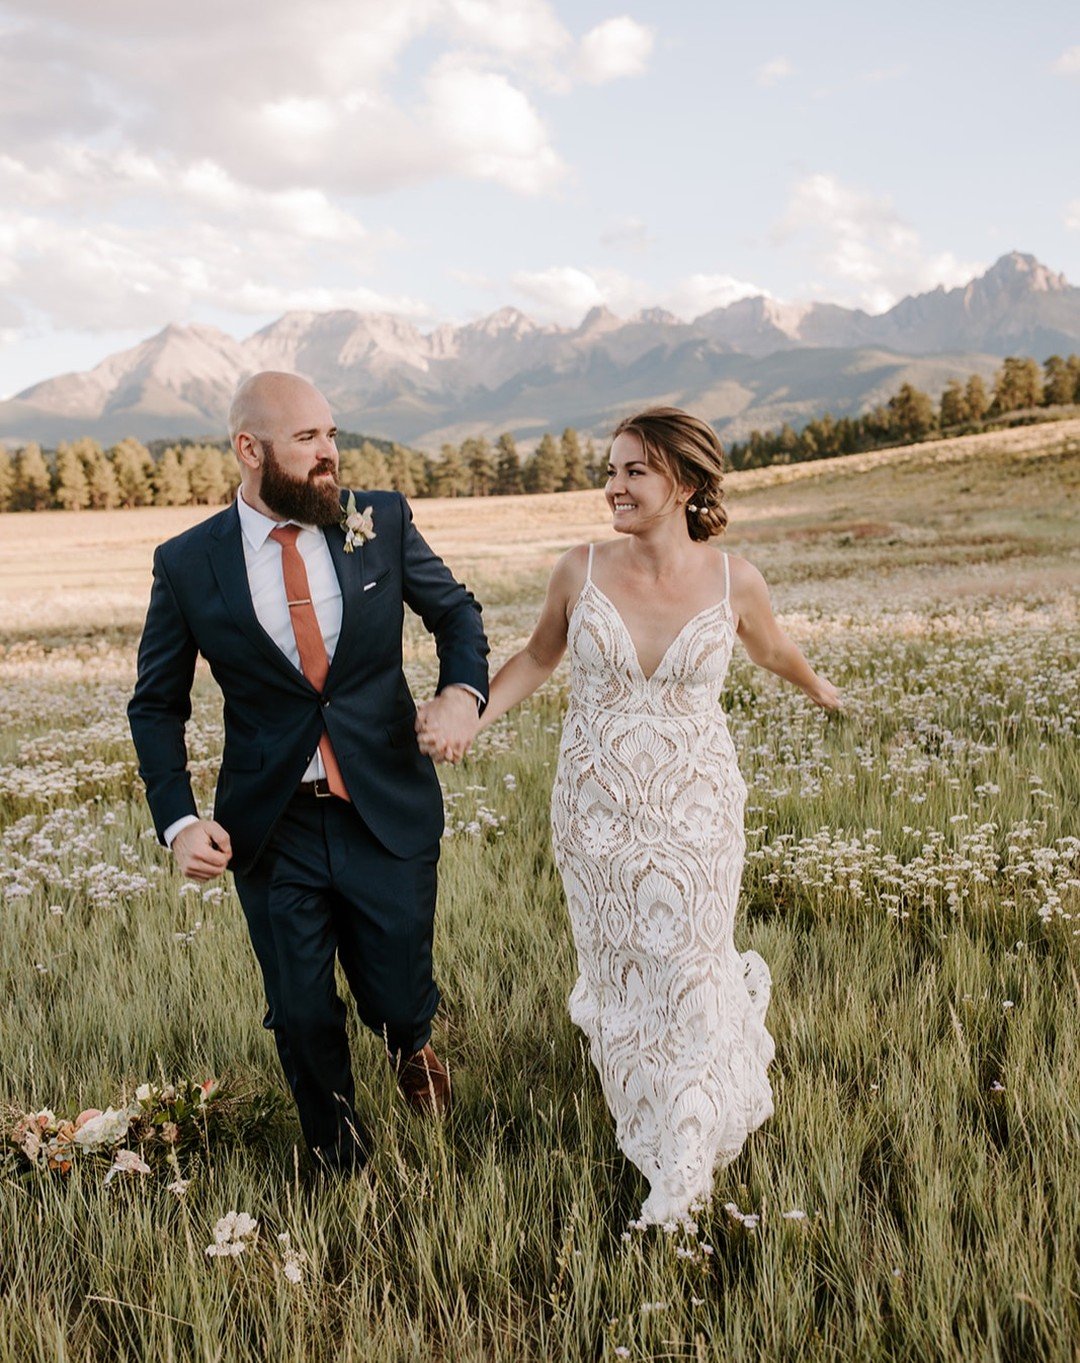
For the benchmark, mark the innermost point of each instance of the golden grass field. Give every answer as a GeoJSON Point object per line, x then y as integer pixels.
{"type": "Point", "coordinates": [912, 880]}
{"type": "Point", "coordinates": [91, 569]}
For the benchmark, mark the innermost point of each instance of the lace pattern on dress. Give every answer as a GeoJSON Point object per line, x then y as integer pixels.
{"type": "Point", "coordinates": [647, 820]}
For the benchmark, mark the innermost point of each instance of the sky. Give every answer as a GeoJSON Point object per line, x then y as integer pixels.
{"type": "Point", "coordinates": [439, 159]}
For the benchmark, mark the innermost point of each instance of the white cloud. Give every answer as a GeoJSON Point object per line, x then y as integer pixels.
{"type": "Point", "coordinates": [699, 293]}
{"type": "Point", "coordinates": [772, 72]}
{"type": "Point", "coordinates": [107, 276]}
{"type": "Point", "coordinates": [860, 249]}
{"type": "Point", "coordinates": [159, 159]}
{"type": "Point", "coordinates": [564, 293]}
{"type": "Point", "coordinates": [81, 178]}
{"type": "Point", "coordinates": [308, 117]}
{"type": "Point", "coordinates": [275, 107]}
{"type": "Point", "coordinates": [617, 47]}
{"type": "Point", "coordinates": [515, 28]}
{"type": "Point", "coordinates": [560, 294]}
{"type": "Point", "coordinates": [488, 129]}
{"type": "Point", "coordinates": [1068, 64]}
{"type": "Point", "coordinates": [1072, 215]}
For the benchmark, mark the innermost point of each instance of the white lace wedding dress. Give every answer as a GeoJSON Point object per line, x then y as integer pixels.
{"type": "Point", "coordinates": [647, 818]}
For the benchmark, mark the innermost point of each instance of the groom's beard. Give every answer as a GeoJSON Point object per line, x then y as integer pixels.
{"type": "Point", "coordinates": [314, 500]}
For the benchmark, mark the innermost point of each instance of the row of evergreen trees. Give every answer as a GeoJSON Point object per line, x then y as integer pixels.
{"type": "Point", "coordinates": [1019, 386]}
{"type": "Point", "coordinates": [81, 474]}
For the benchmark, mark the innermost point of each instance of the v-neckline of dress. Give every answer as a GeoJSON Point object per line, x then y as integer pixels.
{"type": "Point", "coordinates": [648, 679]}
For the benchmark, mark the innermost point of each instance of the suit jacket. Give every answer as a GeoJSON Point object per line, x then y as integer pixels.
{"type": "Point", "coordinates": [200, 602]}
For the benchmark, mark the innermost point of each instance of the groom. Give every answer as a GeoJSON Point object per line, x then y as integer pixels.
{"type": "Point", "coordinates": [326, 812]}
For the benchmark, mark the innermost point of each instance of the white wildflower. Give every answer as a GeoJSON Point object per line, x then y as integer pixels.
{"type": "Point", "coordinates": [231, 1235]}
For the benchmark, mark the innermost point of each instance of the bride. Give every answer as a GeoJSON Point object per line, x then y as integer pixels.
{"type": "Point", "coordinates": [647, 808]}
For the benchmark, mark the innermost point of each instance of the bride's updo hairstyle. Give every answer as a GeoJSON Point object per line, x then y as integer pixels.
{"type": "Point", "coordinates": [688, 451]}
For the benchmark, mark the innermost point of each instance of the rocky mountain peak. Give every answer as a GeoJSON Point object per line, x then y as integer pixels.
{"type": "Point", "coordinates": [657, 317]}
{"type": "Point", "coordinates": [505, 321]}
{"type": "Point", "coordinates": [508, 372]}
{"type": "Point", "coordinates": [1017, 271]}
{"type": "Point", "coordinates": [598, 319]}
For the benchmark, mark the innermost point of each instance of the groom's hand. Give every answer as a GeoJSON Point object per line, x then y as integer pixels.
{"type": "Point", "coordinates": [203, 850]}
{"type": "Point", "coordinates": [447, 725]}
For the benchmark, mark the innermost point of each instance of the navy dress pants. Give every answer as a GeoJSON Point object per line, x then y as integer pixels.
{"type": "Point", "coordinates": [323, 890]}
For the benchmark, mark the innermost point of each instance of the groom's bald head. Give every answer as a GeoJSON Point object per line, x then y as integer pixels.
{"type": "Point", "coordinates": [266, 403]}
{"type": "Point", "coordinates": [284, 439]}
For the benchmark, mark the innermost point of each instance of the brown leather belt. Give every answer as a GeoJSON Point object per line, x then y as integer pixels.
{"type": "Point", "coordinates": [320, 789]}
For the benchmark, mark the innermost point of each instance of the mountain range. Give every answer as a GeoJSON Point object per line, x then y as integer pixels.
{"type": "Point", "coordinates": [756, 362]}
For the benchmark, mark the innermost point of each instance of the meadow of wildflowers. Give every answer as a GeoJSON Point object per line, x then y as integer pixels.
{"type": "Point", "coordinates": [912, 879]}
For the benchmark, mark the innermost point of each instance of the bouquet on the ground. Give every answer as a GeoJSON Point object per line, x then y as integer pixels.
{"type": "Point", "coordinates": [163, 1117]}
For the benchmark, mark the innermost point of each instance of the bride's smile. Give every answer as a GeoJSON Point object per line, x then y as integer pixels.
{"type": "Point", "coordinates": [639, 494]}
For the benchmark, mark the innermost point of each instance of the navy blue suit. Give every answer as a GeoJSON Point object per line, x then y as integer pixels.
{"type": "Point", "coordinates": [315, 878]}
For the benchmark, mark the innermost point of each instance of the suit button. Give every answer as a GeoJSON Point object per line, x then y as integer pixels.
{"type": "Point", "coordinates": [326, 702]}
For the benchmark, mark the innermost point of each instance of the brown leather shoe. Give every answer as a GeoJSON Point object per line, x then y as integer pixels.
{"type": "Point", "coordinates": [424, 1081]}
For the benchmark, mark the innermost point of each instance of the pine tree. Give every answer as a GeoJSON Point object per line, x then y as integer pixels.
{"type": "Point", "coordinates": [479, 460]}
{"type": "Point", "coordinates": [350, 467]}
{"type": "Point", "coordinates": [7, 480]}
{"type": "Point", "coordinates": [594, 465]}
{"type": "Point", "coordinates": [33, 482]}
{"type": "Point", "coordinates": [402, 474]}
{"type": "Point", "coordinates": [449, 477]}
{"type": "Point", "coordinates": [207, 475]}
{"type": "Point", "coordinates": [575, 476]}
{"type": "Point", "coordinates": [877, 427]}
{"type": "Point", "coordinates": [1073, 366]}
{"type": "Point", "coordinates": [847, 435]}
{"type": "Point", "coordinates": [103, 492]}
{"type": "Point", "coordinates": [911, 413]}
{"type": "Point", "coordinates": [171, 485]}
{"type": "Point", "coordinates": [1058, 383]}
{"type": "Point", "coordinates": [818, 438]}
{"type": "Point", "coordinates": [508, 466]}
{"type": "Point", "coordinates": [954, 410]}
{"type": "Point", "coordinates": [544, 471]}
{"type": "Point", "coordinates": [1017, 385]}
{"type": "Point", "coordinates": [134, 471]}
{"type": "Point", "coordinates": [72, 490]}
{"type": "Point", "coordinates": [787, 445]}
{"type": "Point", "coordinates": [978, 403]}
{"type": "Point", "coordinates": [375, 471]}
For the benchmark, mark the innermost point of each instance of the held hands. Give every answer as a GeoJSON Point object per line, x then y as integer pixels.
{"type": "Point", "coordinates": [447, 725]}
{"type": "Point", "coordinates": [203, 850]}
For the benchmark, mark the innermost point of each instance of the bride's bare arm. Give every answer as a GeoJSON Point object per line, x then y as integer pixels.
{"type": "Point", "coordinates": [527, 670]}
{"type": "Point", "coordinates": [766, 643]}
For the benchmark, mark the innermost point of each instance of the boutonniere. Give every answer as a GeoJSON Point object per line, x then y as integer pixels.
{"type": "Point", "coordinates": [359, 526]}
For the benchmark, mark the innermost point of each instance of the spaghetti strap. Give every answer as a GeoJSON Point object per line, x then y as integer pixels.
{"type": "Point", "coordinates": [727, 581]}
{"type": "Point", "coordinates": [588, 570]}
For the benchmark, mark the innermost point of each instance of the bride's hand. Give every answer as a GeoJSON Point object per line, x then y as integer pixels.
{"type": "Point", "coordinates": [827, 696]}
{"type": "Point", "coordinates": [447, 725]}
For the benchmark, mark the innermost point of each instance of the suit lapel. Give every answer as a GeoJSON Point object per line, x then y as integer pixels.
{"type": "Point", "coordinates": [230, 570]}
{"type": "Point", "coordinates": [349, 569]}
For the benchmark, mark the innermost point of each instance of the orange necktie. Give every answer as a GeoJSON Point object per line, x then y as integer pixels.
{"type": "Point", "coordinates": [310, 643]}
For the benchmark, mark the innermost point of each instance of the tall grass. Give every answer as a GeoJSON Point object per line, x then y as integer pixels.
{"type": "Point", "coordinates": [912, 882]}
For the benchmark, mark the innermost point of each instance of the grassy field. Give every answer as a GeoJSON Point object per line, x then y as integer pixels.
{"type": "Point", "coordinates": [912, 881]}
